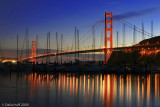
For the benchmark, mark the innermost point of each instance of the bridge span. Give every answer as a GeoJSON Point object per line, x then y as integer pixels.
{"type": "Point", "coordinates": [135, 47]}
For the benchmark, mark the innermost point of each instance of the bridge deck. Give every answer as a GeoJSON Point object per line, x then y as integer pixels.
{"type": "Point", "coordinates": [136, 47]}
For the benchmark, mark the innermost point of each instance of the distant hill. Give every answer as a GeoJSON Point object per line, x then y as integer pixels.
{"type": "Point", "coordinates": [134, 57]}
{"type": "Point", "coordinates": [151, 40]}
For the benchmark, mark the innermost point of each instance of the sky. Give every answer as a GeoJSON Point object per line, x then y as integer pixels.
{"type": "Point", "coordinates": [62, 16]}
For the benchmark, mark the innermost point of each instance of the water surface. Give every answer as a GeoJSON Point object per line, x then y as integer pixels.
{"type": "Point", "coordinates": [70, 90]}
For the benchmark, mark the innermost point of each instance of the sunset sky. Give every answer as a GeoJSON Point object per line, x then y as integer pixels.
{"type": "Point", "coordinates": [42, 16]}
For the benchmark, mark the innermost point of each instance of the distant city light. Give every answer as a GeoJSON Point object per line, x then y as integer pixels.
{"type": "Point", "coordinates": [13, 61]}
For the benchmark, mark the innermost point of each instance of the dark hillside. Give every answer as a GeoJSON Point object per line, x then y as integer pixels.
{"type": "Point", "coordinates": [135, 57]}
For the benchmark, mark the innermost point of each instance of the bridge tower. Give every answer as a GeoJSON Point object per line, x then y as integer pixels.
{"type": "Point", "coordinates": [34, 51]}
{"type": "Point", "coordinates": [108, 35]}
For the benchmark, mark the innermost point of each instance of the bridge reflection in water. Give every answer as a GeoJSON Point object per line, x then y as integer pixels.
{"type": "Point", "coordinates": [86, 90]}
{"type": "Point", "coordinates": [96, 90]}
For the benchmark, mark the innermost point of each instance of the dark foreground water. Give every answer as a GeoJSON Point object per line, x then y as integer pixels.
{"type": "Point", "coordinates": [68, 90]}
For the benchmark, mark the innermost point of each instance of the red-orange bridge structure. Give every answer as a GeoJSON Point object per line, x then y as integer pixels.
{"type": "Point", "coordinates": [108, 49]}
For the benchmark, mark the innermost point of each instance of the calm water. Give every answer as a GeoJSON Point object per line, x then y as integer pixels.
{"type": "Point", "coordinates": [45, 90]}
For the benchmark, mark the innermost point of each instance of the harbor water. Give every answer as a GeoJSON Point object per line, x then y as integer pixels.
{"type": "Point", "coordinates": [85, 90]}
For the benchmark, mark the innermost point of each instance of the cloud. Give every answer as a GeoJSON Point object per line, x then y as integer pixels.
{"type": "Point", "coordinates": [135, 14]}
{"type": "Point", "coordinates": [131, 14]}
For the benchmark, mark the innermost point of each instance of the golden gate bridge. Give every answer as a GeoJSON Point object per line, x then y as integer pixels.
{"type": "Point", "coordinates": [108, 21]}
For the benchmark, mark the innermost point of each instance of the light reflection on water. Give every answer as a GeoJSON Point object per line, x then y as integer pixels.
{"type": "Point", "coordinates": [84, 90]}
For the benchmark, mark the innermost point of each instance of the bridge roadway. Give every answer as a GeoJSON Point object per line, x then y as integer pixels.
{"type": "Point", "coordinates": [135, 47]}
